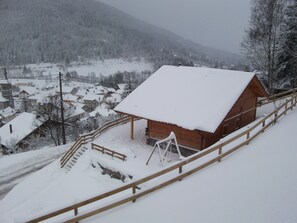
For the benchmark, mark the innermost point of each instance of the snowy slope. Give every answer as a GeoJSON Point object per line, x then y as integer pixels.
{"type": "Point", "coordinates": [257, 184]}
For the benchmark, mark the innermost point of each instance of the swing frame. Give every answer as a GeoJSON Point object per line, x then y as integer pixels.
{"type": "Point", "coordinates": [169, 141]}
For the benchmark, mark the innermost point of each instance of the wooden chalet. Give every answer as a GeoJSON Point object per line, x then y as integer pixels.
{"type": "Point", "coordinates": [200, 105]}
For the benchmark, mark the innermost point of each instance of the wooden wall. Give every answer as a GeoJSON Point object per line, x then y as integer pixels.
{"type": "Point", "coordinates": [188, 138]}
{"type": "Point", "coordinates": [242, 113]}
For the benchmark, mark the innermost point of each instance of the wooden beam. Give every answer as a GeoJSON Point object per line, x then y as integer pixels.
{"type": "Point", "coordinates": [132, 127]}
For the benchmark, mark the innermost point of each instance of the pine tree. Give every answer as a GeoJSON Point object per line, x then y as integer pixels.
{"type": "Point", "coordinates": [287, 57]}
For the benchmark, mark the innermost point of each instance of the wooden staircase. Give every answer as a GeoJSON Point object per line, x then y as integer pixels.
{"type": "Point", "coordinates": [74, 158]}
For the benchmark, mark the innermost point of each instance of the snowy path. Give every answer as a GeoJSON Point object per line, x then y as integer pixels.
{"type": "Point", "coordinates": [14, 168]}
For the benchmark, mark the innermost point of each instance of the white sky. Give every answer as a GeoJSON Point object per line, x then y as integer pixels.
{"type": "Point", "coordinates": [214, 23]}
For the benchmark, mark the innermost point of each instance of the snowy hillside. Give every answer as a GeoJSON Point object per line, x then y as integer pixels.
{"type": "Point", "coordinates": [256, 184]}
{"type": "Point", "coordinates": [63, 31]}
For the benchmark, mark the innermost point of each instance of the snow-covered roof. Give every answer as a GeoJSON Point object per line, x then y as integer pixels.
{"type": "Point", "coordinates": [114, 98]}
{"type": "Point", "coordinates": [2, 99]}
{"type": "Point", "coordinates": [101, 111]}
{"type": "Point", "coordinates": [69, 97]}
{"type": "Point", "coordinates": [22, 126]}
{"type": "Point", "coordinates": [190, 97]}
{"type": "Point", "coordinates": [77, 109]}
{"type": "Point", "coordinates": [91, 97]}
{"type": "Point", "coordinates": [7, 112]}
{"type": "Point", "coordinates": [29, 90]}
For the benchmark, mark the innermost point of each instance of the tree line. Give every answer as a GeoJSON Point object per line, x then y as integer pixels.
{"type": "Point", "coordinates": [270, 42]}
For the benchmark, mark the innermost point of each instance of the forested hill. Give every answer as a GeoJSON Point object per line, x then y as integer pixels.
{"type": "Point", "coordinates": [34, 31]}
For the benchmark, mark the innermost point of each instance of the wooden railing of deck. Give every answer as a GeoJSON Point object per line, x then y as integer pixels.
{"type": "Point", "coordinates": [276, 97]}
{"type": "Point", "coordinates": [221, 149]}
{"type": "Point", "coordinates": [90, 137]}
{"type": "Point", "coordinates": [110, 152]}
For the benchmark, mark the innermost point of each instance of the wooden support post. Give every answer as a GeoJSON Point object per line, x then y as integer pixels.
{"type": "Point", "coordinates": [220, 152]}
{"type": "Point", "coordinates": [286, 107]}
{"type": "Point", "coordinates": [263, 125]}
{"type": "Point", "coordinates": [292, 104]}
{"type": "Point", "coordinates": [76, 213]}
{"type": "Point", "coordinates": [132, 128]}
{"type": "Point", "coordinates": [275, 117]}
{"type": "Point", "coordinates": [247, 137]}
{"type": "Point", "coordinates": [133, 192]}
{"type": "Point", "coordinates": [180, 170]}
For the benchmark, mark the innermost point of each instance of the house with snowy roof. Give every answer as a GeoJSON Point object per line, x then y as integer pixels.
{"type": "Point", "coordinates": [200, 105]}
{"type": "Point", "coordinates": [6, 115]}
{"type": "Point", "coordinates": [14, 133]}
{"type": "Point", "coordinates": [25, 92]}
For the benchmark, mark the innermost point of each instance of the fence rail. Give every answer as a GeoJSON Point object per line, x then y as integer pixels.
{"type": "Point", "coordinates": [110, 152]}
{"type": "Point", "coordinates": [276, 97]}
{"type": "Point", "coordinates": [90, 137]}
{"type": "Point", "coordinates": [245, 136]}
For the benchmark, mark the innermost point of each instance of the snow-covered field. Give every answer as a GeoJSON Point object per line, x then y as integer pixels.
{"type": "Point", "coordinates": [96, 67]}
{"type": "Point", "coordinates": [256, 184]}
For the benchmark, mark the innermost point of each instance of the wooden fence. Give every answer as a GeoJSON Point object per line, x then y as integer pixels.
{"type": "Point", "coordinates": [221, 150]}
{"type": "Point", "coordinates": [276, 97]}
{"type": "Point", "coordinates": [110, 152]}
{"type": "Point", "coordinates": [90, 137]}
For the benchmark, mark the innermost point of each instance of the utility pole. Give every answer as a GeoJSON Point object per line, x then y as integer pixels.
{"type": "Point", "coordinates": [62, 110]}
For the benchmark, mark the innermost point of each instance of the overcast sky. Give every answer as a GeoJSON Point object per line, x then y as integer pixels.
{"type": "Point", "coordinates": [215, 23]}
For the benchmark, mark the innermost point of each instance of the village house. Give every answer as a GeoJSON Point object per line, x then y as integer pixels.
{"type": "Point", "coordinates": [26, 92]}
{"type": "Point", "coordinates": [6, 115]}
{"type": "Point", "coordinates": [200, 105]}
{"type": "Point", "coordinates": [14, 133]}
{"type": "Point", "coordinates": [91, 101]}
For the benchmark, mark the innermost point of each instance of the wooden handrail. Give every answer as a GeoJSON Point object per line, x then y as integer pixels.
{"type": "Point", "coordinates": [179, 166]}
{"type": "Point", "coordinates": [83, 139]}
{"type": "Point", "coordinates": [110, 152]}
{"type": "Point", "coordinates": [277, 97]}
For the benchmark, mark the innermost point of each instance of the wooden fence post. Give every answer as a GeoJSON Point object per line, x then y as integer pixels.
{"type": "Point", "coordinates": [247, 137]}
{"type": "Point", "coordinates": [220, 152]}
{"type": "Point", "coordinates": [180, 170]}
{"type": "Point", "coordinates": [133, 192]}
{"type": "Point", "coordinates": [286, 107]}
{"type": "Point", "coordinates": [275, 117]}
{"type": "Point", "coordinates": [76, 213]}
{"type": "Point", "coordinates": [263, 124]}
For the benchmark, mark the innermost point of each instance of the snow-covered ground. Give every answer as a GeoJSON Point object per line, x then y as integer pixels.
{"type": "Point", "coordinates": [52, 187]}
{"type": "Point", "coordinates": [14, 168]}
{"type": "Point", "coordinates": [96, 67]}
{"type": "Point", "coordinates": [256, 184]}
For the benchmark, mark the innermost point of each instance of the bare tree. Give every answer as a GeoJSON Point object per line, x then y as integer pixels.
{"type": "Point", "coordinates": [261, 40]}
{"type": "Point", "coordinates": [49, 112]}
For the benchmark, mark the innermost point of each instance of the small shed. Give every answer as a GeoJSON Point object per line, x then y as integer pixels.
{"type": "Point", "coordinates": [200, 105]}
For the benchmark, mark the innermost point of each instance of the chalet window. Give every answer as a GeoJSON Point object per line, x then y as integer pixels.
{"type": "Point", "coordinates": [225, 130]}
{"type": "Point", "coordinates": [237, 124]}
